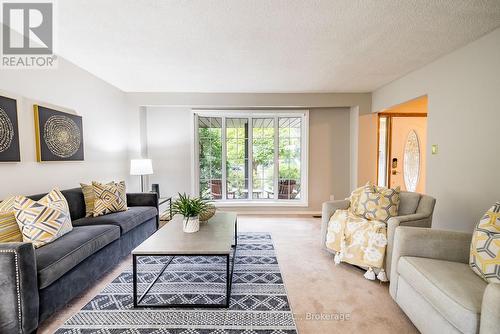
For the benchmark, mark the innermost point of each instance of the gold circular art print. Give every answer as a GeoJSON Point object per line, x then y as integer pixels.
{"type": "Point", "coordinates": [62, 136]}
{"type": "Point", "coordinates": [6, 131]}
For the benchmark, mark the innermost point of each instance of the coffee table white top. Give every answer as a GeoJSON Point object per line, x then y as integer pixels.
{"type": "Point", "coordinates": [214, 237]}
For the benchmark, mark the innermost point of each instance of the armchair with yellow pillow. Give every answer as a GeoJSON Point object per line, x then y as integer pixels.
{"type": "Point", "coordinates": [54, 246]}
{"type": "Point", "coordinates": [449, 281]}
{"type": "Point", "coordinates": [360, 230]}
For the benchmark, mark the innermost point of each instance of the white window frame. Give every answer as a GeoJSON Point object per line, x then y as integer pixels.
{"type": "Point", "coordinates": [304, 168]}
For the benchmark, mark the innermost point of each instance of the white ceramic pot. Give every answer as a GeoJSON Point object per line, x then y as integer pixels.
{"type": "Point", "coordinates": [191, 224]}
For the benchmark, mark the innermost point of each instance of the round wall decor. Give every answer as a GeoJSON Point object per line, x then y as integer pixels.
{"type": "Point", "coordinates": [62, 136]}
{"type": "Point", "coordinates": [6, 131]}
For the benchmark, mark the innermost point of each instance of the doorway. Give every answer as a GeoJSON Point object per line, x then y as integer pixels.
{"type": "Point", "coordinates": [402, 142]}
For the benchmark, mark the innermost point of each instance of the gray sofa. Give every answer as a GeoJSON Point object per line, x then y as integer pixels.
{"type": "Point", "coordinates": [434, 285]}
{"type": "Point", "coordinates": [35, 283]}
{"type": "Point", "coordinates": [414, 210]}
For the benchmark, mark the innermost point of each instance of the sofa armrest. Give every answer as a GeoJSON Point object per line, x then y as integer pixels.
{"type": "Point", "coordinates": [416, 220]}
{"type": "Point", "coordinates": [490, 309]}
{"type": "Point", "coordinates": [427, 243]}
{"type": "Point", "coordinates": [19, 286]}
{"type": "Point", "coordinates": [142, 199]}
{"type": "Point", "coordinates": [327, 211]}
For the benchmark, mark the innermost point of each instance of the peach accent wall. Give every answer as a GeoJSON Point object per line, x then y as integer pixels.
{"type": "Point", "coordinates": [418, 105]}
{"type": "Point", "coordinates": [367, 149]}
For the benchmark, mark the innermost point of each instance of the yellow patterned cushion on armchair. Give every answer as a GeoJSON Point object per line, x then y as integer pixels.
{"type": "Point", "coordinates": [485, 247]}
{"type": "Point", "coordinates": [378, 203]}
{"type": "Point", "coordinates": [356, 194]}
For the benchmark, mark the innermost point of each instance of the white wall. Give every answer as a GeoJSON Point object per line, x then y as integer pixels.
{"type": "Point", "coordinates": [108, 139]}
{"type": "Point", "coordinates": [463, 88]}
{"type": "Point", "coordinates": [169, 140]}
{"type": "Point", "coordinates": [169, 133]}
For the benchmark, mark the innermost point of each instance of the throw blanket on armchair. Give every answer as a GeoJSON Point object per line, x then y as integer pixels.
{"type": "Point", "coordinates": [358, 241]}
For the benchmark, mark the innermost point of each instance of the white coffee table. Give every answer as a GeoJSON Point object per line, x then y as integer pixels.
{"type": "Point", "coordinates": [217, 237]}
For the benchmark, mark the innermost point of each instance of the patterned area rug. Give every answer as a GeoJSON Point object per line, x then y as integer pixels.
{"type": "Point", "coordinates": [258, 305]}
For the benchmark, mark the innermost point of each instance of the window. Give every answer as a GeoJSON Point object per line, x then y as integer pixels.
{"type": "Point", "coordinates": [289, 157]}
{"type": "Point", "coordinates": [258, 157]}
{"type": "Point", "coordinates": [210, 161]}
{"type": "Point", "coordinates": [237, 158]}
{"type": "Point", "coordinates": [263, 158]}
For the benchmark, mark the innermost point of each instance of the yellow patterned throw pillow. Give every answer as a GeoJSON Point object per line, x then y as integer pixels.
{"type": "Point", "coordinates": [88, 196]}
{"type": "Point", "coordinates": [485, 247]}
{"type": "Point", "coordinates": [45, 220]}
{"type": "Point", "coordinates": [109, 198]}
{"type": "Point", "coordinates": [378, 203]}
{"type": "Point", "coordinates": [9, 230]}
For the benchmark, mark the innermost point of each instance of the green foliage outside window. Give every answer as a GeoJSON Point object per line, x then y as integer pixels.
{"type": "Point", "coordinates": [210, 157]}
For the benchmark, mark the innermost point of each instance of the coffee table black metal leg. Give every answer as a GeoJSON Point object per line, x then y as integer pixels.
{"type": "Point", "coordinates": [236, 232]}
{"type": "Point", "coordinates": [156, 279]}
{"type": "Point", "coordinates": [134, 279]}
{"type": "Point", "coordinates": [229, 282]}
{"type": "Point", "coordinates": [229, 276]}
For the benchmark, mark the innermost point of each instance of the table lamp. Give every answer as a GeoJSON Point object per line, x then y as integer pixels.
{"type": "Point", "coordinates": [141, 167]}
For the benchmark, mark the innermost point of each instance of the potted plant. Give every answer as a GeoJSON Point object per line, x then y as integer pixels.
{"type": "Point", "coordinates": [190, 208]}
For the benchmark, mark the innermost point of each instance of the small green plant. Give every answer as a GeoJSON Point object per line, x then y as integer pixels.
{"type": "Point", "coordinates": [189, 206]}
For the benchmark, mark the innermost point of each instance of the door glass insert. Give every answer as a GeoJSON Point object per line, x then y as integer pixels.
{"type": "Point", "coordinates": [411, 163]}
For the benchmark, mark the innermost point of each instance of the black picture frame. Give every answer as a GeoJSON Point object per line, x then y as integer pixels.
{"type": "Point", "coordinates": [9, 131]}
{"type": "Point", "coordinates": [59, 135]}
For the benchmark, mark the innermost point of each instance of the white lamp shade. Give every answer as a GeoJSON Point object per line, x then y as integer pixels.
{"type": "Point", "coordinates": [141, 167]}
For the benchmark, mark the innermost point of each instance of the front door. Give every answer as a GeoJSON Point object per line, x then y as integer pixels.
{"type": "Point", "coordinates": [407, 145]}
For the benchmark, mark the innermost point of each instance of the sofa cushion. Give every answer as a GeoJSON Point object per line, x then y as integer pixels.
{"type": "Point", "coordinates": [408, 203]}
{"type": "Point", "coordinates": [450, 287]}
{"type": "Point", "coordinates": [126, 220]}
{"type": "Point", "coordinates": [59, 257]}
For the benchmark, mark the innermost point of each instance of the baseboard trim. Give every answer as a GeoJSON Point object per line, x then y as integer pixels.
{"type": "Point", "coordinates": [264, 213]}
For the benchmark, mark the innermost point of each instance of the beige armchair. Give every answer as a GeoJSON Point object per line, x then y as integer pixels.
{"type": "Point", "coordinates": [433, 284]}
{"type": "Point", "coordinates": [414, 210]}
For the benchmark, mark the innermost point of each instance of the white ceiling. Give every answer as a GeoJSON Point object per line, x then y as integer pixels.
{"type": "Point", "coordinates": [264, 45]}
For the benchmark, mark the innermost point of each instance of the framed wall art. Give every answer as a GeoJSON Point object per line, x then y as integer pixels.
{"type": "Point", "coordinates": [9, 131]}
{"type": "Point", "coordinates": [59, 135]}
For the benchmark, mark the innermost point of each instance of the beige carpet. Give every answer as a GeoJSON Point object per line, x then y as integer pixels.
{"type": "Point", "coordinates": [320, 293]}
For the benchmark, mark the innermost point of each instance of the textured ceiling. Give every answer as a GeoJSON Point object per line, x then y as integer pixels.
{"type": "Point", "coordinates": [264, 45]}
